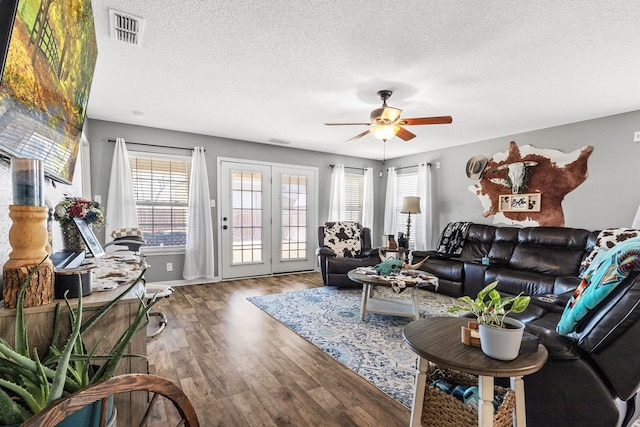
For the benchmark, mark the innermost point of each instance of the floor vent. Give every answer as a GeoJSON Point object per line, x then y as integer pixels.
{"type": "Point", "coordinates": [126, 28]}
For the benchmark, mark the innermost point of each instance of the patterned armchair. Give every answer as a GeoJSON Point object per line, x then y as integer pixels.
{"type": "Point", "coordinates": [343, 246]}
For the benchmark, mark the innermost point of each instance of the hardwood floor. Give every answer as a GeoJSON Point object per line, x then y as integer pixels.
{"type": "Point", "coordinates": [240, 367]}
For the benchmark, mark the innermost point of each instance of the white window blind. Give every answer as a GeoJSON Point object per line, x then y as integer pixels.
{"type": "Point", "coordinates": [354, 186]}
{"type": "Point", "coordinates": [407, 186]}
{"type": "Point", "coordinates": [161, 189]}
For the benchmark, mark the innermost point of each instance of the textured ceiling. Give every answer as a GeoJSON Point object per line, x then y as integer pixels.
{"type": "Point", "coordinates": [255, 70]}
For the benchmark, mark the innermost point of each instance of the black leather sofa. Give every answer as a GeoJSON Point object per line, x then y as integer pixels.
{"type": "Point", "coordinates": [592, 376]}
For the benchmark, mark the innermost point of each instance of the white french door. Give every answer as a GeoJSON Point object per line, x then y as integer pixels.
{"type": "Point", "coordinates": [267, 218]}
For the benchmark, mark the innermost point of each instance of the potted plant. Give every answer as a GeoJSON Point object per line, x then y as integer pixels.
{"type": "Point", "coordinates": [500, 336]}
{"type": "Point", "coordinates": [28, 383]}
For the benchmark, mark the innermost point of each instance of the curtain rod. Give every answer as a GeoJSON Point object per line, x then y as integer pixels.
{"type": "Point", "coordinates": [412, 166]}
{"type": "Point", "coordinates": [350, 167]}
{"type": "Point", "coordinates": [156, 145]}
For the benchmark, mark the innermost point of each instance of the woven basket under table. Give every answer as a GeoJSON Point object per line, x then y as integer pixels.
{"type": "Point", "coordinates": [442, 410]}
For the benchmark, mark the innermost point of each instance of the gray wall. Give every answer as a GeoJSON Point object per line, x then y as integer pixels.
{"type": "Point", "coordinates": [102, 152]}
{"type": "Point", "coordinates": [608, 198]}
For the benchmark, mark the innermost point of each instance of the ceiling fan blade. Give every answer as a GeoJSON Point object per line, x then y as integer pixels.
{"type": "Point", "coordinates": [441, 120]}
{"type": "Point", "coordinates": [359, 136]}
{"type": "Point", "coordinates": [404, 134]}
{"type": "Point", "coordinates": [347, 124]}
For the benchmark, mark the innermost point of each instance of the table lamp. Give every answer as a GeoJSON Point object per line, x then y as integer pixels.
{"type": "Point", "coordinates": [410, 205]}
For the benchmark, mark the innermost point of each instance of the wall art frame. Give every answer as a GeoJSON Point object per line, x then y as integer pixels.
{"type": "Point", "coordinates": [529, 202]}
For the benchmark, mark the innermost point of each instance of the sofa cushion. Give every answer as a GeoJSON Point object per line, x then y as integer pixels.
{"type": "Point", "coordinates": [554, 251]}
{"type": "Point", "coordinates": [512, 281]}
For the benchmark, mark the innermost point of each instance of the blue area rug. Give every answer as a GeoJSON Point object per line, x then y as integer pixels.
{"type": "Point", "coordinates": [374, 349]}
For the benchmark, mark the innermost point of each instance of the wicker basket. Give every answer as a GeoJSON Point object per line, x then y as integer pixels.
{"type": "Point", "coordinates": [442, 410]}
{"type": "Point", "coordinates": [71, 238]}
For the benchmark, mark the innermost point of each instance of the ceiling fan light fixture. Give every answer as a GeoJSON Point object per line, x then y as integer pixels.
{"type": "Point", "coordinates": [385, 132]}
{"type": "Point", "coordinates": [385, 115]}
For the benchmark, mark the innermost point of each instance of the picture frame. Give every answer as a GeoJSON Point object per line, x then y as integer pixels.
{"type": "Point", "coordinates": [48, 114]}
{"type": "Point", "coordinates": [530, 202]}
{"type": "Point", "coordinates": [89, 237]}
{"type": "Point", "coordinates": [8, 13]}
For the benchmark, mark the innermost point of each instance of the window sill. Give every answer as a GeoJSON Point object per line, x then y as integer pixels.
{"type": "Point", "coordinates": [162, 250]}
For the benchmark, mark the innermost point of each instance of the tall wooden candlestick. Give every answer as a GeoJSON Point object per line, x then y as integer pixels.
{"type": "Point", "coordinates": [29, 241]}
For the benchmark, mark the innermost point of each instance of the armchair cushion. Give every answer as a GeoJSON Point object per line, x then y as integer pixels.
{"type": "Point", "coordinates": [343, 238]}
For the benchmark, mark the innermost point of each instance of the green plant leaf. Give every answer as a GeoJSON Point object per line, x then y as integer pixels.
{"type": "Point", "coordinates": [10, 411]}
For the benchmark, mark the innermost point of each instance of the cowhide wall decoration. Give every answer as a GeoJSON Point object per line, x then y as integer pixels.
{"type": "Point", "coordinates": [554, 175]}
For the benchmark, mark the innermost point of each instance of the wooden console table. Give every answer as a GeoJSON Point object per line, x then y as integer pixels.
{"type": "Point", "coordinates": [108, 329]}
{"type": "Point", "coordinates": [437, 339]}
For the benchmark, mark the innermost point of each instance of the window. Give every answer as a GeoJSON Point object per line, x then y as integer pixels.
{"type": "Point", "coordinates": [407, 185]}
{"type": "Point", "coordinates": [354, 186]}
{"type": "Point", "coordinates": [294, 216]}
{"type": "Point", "coordinates": [161, 189]}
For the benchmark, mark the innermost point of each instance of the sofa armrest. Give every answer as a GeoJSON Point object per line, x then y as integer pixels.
{"type": "Point", "coordinates": [325, 251]}
{"type": "Point", "coordinates": [552, 302]}
{"type": "Point", "coordinates": [419, 255]}
{"type": "Point", "coordinates": [371, 252]}
{"type": "Point", "coordinates": [558, 346]}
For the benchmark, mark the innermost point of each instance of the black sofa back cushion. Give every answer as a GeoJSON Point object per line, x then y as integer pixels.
{"type": "Point", "coordinates": [554, 251]}
{"type": "Point", "coordinates": [503, 244]}
{"type": "Point", "coordinates": [478, 242]}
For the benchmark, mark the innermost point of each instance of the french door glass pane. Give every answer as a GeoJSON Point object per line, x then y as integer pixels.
{"type": "Point", "coordinates": [294, 214]}
{"type": "Point", "coordinates": [247, 217]}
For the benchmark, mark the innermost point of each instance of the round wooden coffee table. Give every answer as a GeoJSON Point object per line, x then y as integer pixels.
{"type": "Point", "coordinates": [388, 306]}
{"type": "Point", "coordinates": [437, 339]}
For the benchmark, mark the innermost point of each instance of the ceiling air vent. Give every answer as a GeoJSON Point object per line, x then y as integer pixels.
{"type": "Point", "coordinates": [126, 28]}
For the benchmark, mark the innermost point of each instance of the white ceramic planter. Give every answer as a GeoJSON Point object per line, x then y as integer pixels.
{"type": "Point", "coordinates": [499, 343]}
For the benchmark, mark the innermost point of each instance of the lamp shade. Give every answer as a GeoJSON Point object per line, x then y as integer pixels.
{"type": "Point", "coordinates": [411, 204]}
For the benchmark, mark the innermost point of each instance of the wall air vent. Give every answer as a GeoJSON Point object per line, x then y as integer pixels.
{"type": "Point", "coordinates": [125, 27]}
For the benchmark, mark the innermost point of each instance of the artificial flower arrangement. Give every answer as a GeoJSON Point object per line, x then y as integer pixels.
{"type": "Point", "coordinates": [78, 207]}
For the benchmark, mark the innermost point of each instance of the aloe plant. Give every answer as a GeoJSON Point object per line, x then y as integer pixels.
{"type": "Point", "coordinates": [28, 384]}
{"type": "Point", "coordinates": [490, 308]}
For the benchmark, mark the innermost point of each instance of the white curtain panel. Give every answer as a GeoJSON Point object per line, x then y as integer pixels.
{"type": "Point", "coordinates": [636, 220]}
{"type": "Point", "coordinates": [121, 202]}
{"type": "Point", "coordinates": [199, 256]}
{"type": "Point", "coordinates": [338, 195]}
{"type": "Point", "coordinates": [390, 203]}
{"type": "Point", "coordinates": [367, 203]}
{"type": "Point", "coordinates": [424, 220]}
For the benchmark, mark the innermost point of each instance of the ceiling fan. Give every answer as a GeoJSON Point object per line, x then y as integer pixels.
{"type": "Point", "coordinates": [386, 122]}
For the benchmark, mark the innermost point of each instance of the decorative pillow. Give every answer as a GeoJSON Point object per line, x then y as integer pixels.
{"type": "Point", "coordinates": [607, 239]}
{"type": "Point", "coordinates": [126, 232]}
{"type": "Point", "coordinates": [608, 269]}
{"type": "Point", "coordinates": [452, 239]}
{"type": "Point", "coordinates": [343, 238]}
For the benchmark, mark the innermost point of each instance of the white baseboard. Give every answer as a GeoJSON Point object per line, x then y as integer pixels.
{"type": "Point", "coordinates": [186, 282]}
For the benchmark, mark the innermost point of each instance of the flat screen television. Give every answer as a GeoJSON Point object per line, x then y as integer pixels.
{"type": "Point", "coordinates": [49, 52]}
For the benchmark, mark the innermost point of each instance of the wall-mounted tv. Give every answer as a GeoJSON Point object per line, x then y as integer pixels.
{"type": "Point", "coordinates": [51, 53]}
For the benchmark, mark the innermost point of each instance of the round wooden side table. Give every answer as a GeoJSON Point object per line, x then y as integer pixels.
{"type": "Point", "coordinates": [437, 339]}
